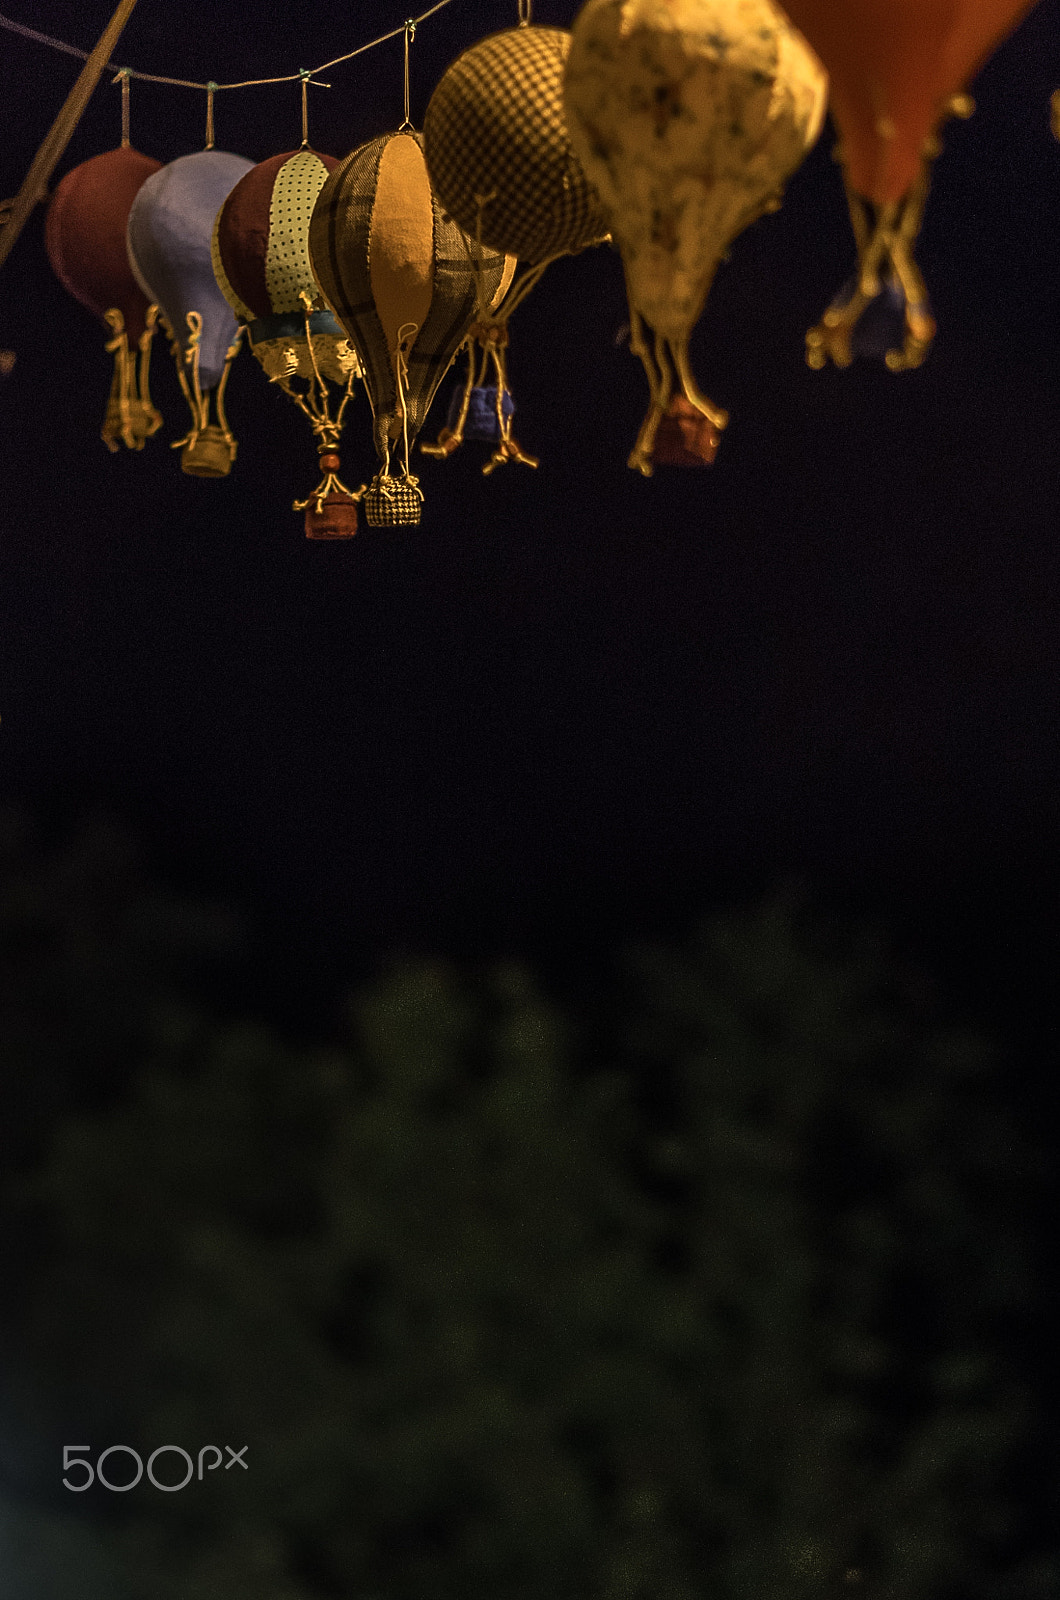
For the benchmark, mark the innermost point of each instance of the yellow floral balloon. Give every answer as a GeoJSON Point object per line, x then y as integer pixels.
{"type": "Point", "coordinates": [687, 116]}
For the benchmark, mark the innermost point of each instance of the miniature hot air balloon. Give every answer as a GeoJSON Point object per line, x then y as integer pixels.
{"type": "Point", "coordinates": [261, 262]}
{"type": "Point", "coordinates": [477, 410]}
{"type": "Point", "coordinates": [399, 275]}
{"type": "Point", "coordinates": [168, 238]}
{"type": "Point", "coordinates": [896, 70]}
{"type": "Point", "coordinates": [688, 116]}
{"type": "Point", "coordinates": [84, 235]}
{"type": "Point", "coordinates": [502, 165]}
{"type": "Point", "coordinates": [480, 409]}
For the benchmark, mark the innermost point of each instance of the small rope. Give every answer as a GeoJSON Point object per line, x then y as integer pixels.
{"type": "Point", "coordinates": [123, 76]}
{"type": "Point", "coordinates": [210, 87]}
{"type": "Point", "coordinates": [321, 386]}
{"type": "Point", "coordinates": [405, 335]}
{"type": "Point", "coordinates": [410, 34]}
{"type": "Point", "coordinates": [304, 74]}
{"type": "Point", "coordinates": [525, 12]}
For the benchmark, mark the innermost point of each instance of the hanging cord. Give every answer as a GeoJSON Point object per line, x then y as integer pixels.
{"type": "Point", "coordinates": [118, 423]}
{"type": "Point", "coordinates": [131, 418]}
{"type": "Point", "coordinates": [525, 13]}
{"type": "Point", "coordinates": [405, 336]}
{"type": "Point", "coordinates": [210, 89]}
{"type": "Point", "coordinates": [123, 79]}
{"type": "Point", "coordinates": [410, 34]}
{"type": "Point", "coordinates": [198, 400]}
{"type": "Point", "coordinates": [151, 412]}
{"type": "Point", "coordinates": [305, 75]}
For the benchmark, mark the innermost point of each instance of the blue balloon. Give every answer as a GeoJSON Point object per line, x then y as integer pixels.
{"type": "Point", "coordinates": [168, 238]}
{"type": "Point", "coordinates": [481, 413]}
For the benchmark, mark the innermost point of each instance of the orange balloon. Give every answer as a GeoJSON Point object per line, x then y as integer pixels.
{"type": "Point", "coordinates": [892, 66]}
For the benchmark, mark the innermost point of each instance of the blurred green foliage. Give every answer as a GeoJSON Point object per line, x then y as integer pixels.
{"type": "Point", "coordinates": [724, 1307]}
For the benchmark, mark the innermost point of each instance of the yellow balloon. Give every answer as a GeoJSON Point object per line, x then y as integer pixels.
{"type": "Point", "coordinates": [687, 116]}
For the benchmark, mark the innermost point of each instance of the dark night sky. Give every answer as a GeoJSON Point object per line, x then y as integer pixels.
{"type": "Point", "coordinates": [574, 703]}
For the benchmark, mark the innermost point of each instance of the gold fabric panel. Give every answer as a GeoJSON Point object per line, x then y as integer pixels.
{"type": "Point", "coordinates": [401, 240]}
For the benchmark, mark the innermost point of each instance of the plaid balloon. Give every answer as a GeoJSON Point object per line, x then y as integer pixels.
{"type": "Point", "coordinates": [366, 200]}
{"type": "Point", "coordinates": [498, 150]}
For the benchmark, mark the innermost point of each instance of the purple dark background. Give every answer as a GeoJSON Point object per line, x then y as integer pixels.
{"type": "Point", "coordinates": [573, 705]}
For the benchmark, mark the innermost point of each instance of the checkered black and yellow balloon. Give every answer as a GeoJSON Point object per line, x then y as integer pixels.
{"type": "Point", "coordinates": [499, 156]}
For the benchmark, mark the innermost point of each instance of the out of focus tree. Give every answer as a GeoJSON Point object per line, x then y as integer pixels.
{"type": "Point", "coordinates": [488, 1328]}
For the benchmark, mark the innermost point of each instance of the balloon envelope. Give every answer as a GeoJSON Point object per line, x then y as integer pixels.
{"type": "Point", "coordinates": [84, 234]}
{"type": "Point", "coordinates": [169, 237]}
{"type": "Point", "coordinates": [688, 115]}
{"type": "Point", "coordinates": [261, 263]}
{"type": "Point", "coordinates": [499, 152]}
{"type": "Point", "coordinates": [398, 273]}
{"type": "Point", "coordinates": [892, 66]}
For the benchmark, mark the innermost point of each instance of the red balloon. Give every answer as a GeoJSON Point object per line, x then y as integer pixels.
{"type": "Point", "coordinates": [84, 234]}
{"type": "Point", "coordinates": [893, 65]}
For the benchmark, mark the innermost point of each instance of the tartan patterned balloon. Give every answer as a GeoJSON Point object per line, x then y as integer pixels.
{"type": "Point", "coordinates": [399, 275]}
{"type": "Point", "coordinates": [498, 150]}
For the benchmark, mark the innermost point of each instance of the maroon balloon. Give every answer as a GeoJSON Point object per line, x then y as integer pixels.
{"type": "Point", "coordinates": [84, 235]}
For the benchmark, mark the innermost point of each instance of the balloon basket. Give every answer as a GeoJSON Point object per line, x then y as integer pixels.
{"type": "Point", "coordinates": [334, 518]}
{"type": "Point", "coordinates": [392, 502]}
{"type": "Point", "coordinates": [685, 438]}
{"type": "Point", "coordinates": [209, 454]}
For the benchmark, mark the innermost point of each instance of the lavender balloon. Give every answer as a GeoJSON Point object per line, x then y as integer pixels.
{"type": "Point", "coordinates": [168, 238]}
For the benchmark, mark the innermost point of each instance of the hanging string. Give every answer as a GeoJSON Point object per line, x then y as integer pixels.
{"type": "Point", "coordinates": [525, 11]}
{"type": "Point", "coordinates": [123, 75]}
{"type": "Point", "coordinates": [247, 83]}
{"type": "Point", "coordinates": [410, 34]}
{"type": "Point", "coordinates": [210, 87]}
{"type": "Point", "coordinates": [304, 74]}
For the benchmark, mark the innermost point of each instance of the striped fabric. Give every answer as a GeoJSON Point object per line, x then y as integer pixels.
{"type": "Point", "coordinates": [497, 139]}
{"type": "Point", "coordinates": [342, 235]}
